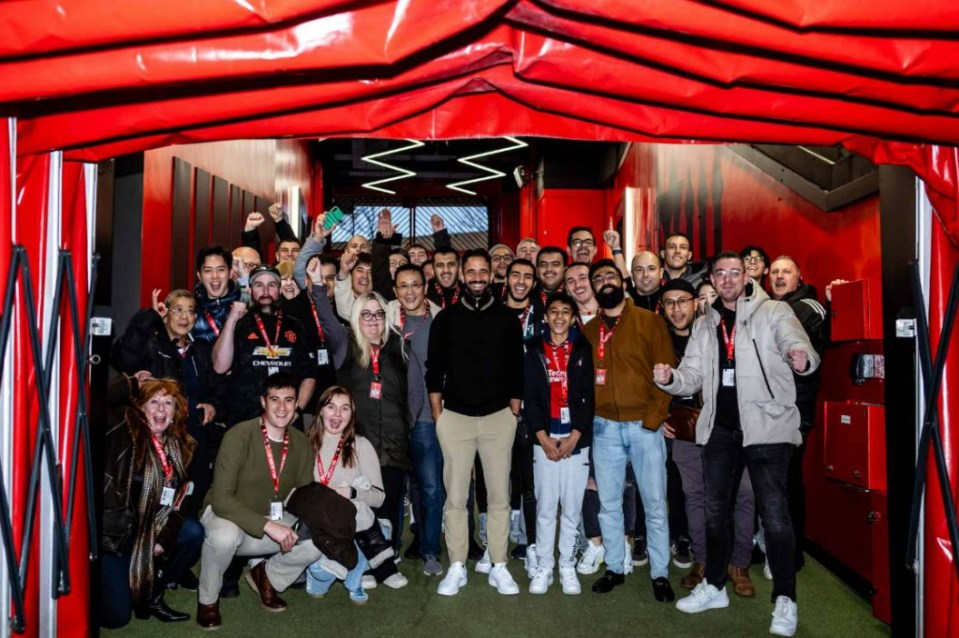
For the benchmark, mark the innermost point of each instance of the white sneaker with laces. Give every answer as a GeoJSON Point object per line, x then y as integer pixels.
{"type": "Point", "coordinates": [703, 597]}
{"type": "Point", "coordinates": [591, 560]}
{"type": "Point", "coordinates": [532, 560]}
{"type": "Point", "coordinates": [369, 581]}
{"type": "Point", "coordinates": [454, 579]}
{"type": "Point", "coordinates": [767, 572]}
{"type": "Point", "coordinates": [785, 617]}
{"type": "Point", "coordinates": [569, 581]}
{"type": "Point", "coordinates": [502, 580]}
{"type": "Point", "coordinates": [396, 581]}
{"type": "Point", "coordinates": [542, 579]}
{"type": "Point", "coordinates": [484, 565]}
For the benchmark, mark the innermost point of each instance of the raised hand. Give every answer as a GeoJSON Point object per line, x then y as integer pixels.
{"type": "Point", "coordinates": [237, 310]}
{"type": "Point", "coordinates": [384, 224]}
{"type": "Point", "coordinates": [314, 271]}
{"type": "Point", "coordinates": [611, 237]}
{"type": "Point", "coordinates": [347, 261]}
{"type": "Point", "coordinates": [253, 221]}
{"type": "Point", "coordinates": [276, 212]}
{"type": "Point", "coordinates": [158, 305]}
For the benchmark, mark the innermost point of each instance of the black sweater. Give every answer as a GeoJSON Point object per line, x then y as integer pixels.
{"type": "Point", "coordinates": [475, 357]}
{"type": "Point", "coordinates": [581, 399]}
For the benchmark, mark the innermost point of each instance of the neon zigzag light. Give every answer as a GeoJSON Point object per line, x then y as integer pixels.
{"type": "Point", "coordinates": [493, 173]}
{"type": "Point", "coordinates": [403, 173]}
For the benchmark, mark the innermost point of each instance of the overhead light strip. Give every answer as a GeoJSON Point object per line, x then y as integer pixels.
{"type": "Point", "coordinates": [492, 173]}
{"type": "Point", "coordinates": [403, 173]}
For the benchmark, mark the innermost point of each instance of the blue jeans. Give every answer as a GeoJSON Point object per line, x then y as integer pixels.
{"type": "Point", "coordinates": [615, 443]}
{"type": "Point", "coordinates": [428, 465]}
{"type": "Point", "coordinates": [319, 581]}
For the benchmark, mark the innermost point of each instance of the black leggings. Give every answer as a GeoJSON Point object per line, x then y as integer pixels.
{"type": "Point", "coordinates": [521, 478]}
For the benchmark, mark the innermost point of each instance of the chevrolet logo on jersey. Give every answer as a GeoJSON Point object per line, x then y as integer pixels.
{"type": "Point", "coordinates": [272, 353]}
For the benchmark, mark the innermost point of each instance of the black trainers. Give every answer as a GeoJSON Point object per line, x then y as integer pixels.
{"type": "Point", "coordinates": [663, 591]}
{"type": "Point", "coordinates": [608, 581]}
{"type": "Point", "coordinates": [413, 551]}
{"type": "Point", "coordinates": [640, 555]}
{"type": "Point", "coordinates": [682, 556]}
{"type": "Point", "coordinates": [518, 553]}
{"type": "Point", "coordinates": [188, 581]}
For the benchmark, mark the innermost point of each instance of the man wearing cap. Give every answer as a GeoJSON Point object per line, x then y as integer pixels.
{"type": "Point", "coordinates": [258, 343]}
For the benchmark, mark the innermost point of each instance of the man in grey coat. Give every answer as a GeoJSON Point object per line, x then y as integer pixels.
{"type": "Point", "coordinates": [742, 355]}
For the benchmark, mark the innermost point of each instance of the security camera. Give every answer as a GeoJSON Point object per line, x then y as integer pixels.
{"type": "Point", "coordinates": [520, 176]}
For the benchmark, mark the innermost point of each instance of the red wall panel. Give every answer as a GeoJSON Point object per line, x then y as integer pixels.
{"type": "Point", "coordinates": [561, 209]}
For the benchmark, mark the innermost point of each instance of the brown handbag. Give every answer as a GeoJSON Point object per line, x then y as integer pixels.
{"type": "Point", "coordinates": [683, 421]}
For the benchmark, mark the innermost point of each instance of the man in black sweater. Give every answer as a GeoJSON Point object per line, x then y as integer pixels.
{"type": "Point", "coordinates": [474, 375]}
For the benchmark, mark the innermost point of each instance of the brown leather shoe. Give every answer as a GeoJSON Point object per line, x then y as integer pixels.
{"type": "Point", "coordinates": [208, 616]}
{"type": "Point", "coordinates": [694, 577]}
{"type": "Point", "coordinates": [742, 583]}
{"type": "Point", "coordinates": [260, 583]}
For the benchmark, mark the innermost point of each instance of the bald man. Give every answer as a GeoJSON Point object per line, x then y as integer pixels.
{"type": "Point", "coordinates": [646, 280]}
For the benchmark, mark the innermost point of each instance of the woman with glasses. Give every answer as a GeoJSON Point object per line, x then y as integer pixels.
{"type": "Point", "coordinates": [375, 366]}
{"type": "Point", "coordinates": [157, 342]}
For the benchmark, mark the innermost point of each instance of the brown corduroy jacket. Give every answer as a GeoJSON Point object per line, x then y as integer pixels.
{"type": "Point", "coordinates": [639, 341]}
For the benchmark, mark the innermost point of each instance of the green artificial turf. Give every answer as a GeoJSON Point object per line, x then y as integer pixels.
{"type": "Point", "coordinates": [827, 608]}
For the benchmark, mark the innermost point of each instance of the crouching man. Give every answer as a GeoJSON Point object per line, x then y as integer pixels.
{"type": "Point", "coordinates": [261, 461]}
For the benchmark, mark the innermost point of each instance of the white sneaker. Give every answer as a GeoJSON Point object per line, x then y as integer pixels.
{"type": "Point", "coordinates": [703, 597]}
{"type": "Point", "coordinates": [591, 560]}
{"type": "Point", "coordinates": [482, 528]}
{"type": "Point", "coordinates": [532, 560]}
{"type": "Point", "coordinates": [542, 579]}
{"type": "Point", "coordinates": [502, 580]}
{"type": "Point", "coordinates": [628, 559]}
{"type": "Point", "coordinates": [368, 582]}
{"type": "Point", "coordinates": [484, 565]}
{"type": "Point", "coordinates": [569, 581]}
{"type": "Point", "coordinates": [454, 579]}
{"type": "Point", "coordinates": [396, 581]}
{"type": "Point", "coordinates": [785, 617]}
{"type": "Point", "coordinates": [767, 572]}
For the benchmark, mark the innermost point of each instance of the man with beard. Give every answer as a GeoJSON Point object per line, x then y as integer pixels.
{"type": "Point", "coordinates": [474, 375]}
{"type": "Point", "coordinates": [502, 256]}
{"type": "Point", "coordinates": [411, 313]}
{"type": "Point", "coordinates": [646, 280]}
{"type": "Point", "coordinates": [787, 285]}
{"type": "Point", "coordinates": [520, 282]}
{"type": "Point", "coordinates": [550, 268]}
{"type": "Point", "coordinates": [257, 344]}
{"type": "Point", "coordinates": [677, 256]}
{"type": "Point", "coordinates": [445, 290]}
{"type": "Point", "coordinates": [580, 289]}
{"type": "Point", "coordinates": [630, 410]}
{"type": "Point", "coordinates": [581, 244]}
{"type": "Point", "coordinates": [749, 420]}
{"type": "Point", "coordinates": [215, 292]}
{"type": "Point", "coordinates": [261, 461]}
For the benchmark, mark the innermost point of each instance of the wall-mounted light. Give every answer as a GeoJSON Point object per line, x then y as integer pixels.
{"type": "Point", "coordinates": [492, 173]}
{"type": "Point", "coordinates": [403, 173]}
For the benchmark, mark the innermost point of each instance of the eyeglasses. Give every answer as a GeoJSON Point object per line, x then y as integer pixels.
{"type": "Point", "coordinates": [506, 258]}
{"type": "Point", "coordinates": [183, 312]}
{"type": "Point", "coordinates": [608, 278]}
{"type": "Point", "coordinates": [682, 302]}
{"type": "Point", "coordinates": [578, 243]}
{"type": "Point", "coordinates": [753, 259]}
{"type": "Point", "coordinates": [734, 273]}
{"type": "Point", "coordinates": [369, 316]}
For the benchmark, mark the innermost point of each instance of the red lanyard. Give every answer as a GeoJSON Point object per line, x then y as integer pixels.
{"type": "Point", "coordinates": [562, 365]}
{"type": "Point", "coordinates": [325, 478]}
{"type": "Point", "coordinates": [407, 335]}
{"type": "Point", "coordinates": [439, 291]}
{"type": "Point", "coordinates": [316, 318]}
{"type": "Point", "coordinates": [167, 466]}
{"type": "Point", "coordinates": [211, 322]}
{"type": "Point", "coordinates": [269, 457]}
{"type": "Point", "coordinates": [604, 337]}
{"type": "Point", "coordinates": [729, 338]}
{"type": "Point", "coordinates": [375, 359]}
{"type": "Point", "coordinates": [523, 317]}
{"type": "Point", "coordinates": [262, 328]}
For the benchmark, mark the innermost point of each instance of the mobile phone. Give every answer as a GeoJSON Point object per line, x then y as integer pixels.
{"type": "Point", "coordinates": [332, 217]}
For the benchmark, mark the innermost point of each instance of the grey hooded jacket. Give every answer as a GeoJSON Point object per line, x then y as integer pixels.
{"type": "Point", "coordinates": [766, 331]}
